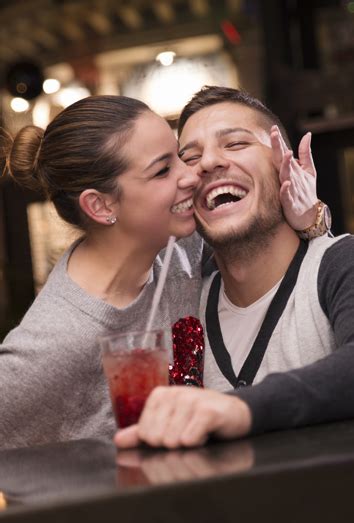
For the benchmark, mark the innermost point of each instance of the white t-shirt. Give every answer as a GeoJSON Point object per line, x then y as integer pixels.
{"type": "Point", "coordinates": [239, 327]}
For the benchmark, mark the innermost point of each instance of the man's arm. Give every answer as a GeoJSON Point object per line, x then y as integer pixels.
{"type": "Point", "coordinates": [324, 390]}
{"type": "Point", "coordinates": [320, 392]}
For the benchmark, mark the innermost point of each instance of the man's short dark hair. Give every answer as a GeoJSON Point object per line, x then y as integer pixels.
{"type": "Point", "coordinates": [211, 95]}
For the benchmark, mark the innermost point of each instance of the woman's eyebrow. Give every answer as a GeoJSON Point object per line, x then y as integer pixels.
{"type": "Point", "coordinates": [166, 156]}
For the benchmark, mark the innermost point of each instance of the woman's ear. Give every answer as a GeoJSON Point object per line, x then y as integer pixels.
{"type": "Point", "coordinates": [98, 206]}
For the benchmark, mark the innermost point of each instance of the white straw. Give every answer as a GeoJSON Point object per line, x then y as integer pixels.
{"type": "Point", "coordinates": [161, 282]}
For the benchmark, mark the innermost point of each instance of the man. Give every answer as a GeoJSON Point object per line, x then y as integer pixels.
{"type": "Point", "coordinates": [278, 303]}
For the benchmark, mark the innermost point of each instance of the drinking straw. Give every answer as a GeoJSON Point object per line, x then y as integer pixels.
{"type": "Point", "coordinates": [161, 282]}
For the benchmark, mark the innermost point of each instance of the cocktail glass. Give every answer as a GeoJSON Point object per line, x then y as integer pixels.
{"type": "Point", "coordinates": [134, 364]}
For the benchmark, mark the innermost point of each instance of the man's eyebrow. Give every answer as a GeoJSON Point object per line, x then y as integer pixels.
{"type": "Point", "coordinates": [230, 130]}
{"type": "Point", "coordinates": [219, 134]}
{"type": "Point", "coordinates": [166, 156]}
{"type": "Point", "coordinates": [189, 145]}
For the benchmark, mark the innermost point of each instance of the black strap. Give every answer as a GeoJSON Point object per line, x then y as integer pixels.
{"type": "Point", "coordinates": [274, 312]}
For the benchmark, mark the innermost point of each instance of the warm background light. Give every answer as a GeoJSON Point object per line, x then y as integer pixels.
{"type": "Point", "coordinates": [166, 58]}
{"type": "Point", "coordinates": [51, 85]}
{"type": "Point", "coordinates": [19, 105]}
{"type": "Point", "coordinates": [71, 94]}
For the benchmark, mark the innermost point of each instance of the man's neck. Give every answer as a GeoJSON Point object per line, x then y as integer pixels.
{"type": "Point", "coordinates": [249, 277]}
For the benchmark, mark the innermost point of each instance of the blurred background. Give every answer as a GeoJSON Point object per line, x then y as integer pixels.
{"type": "Point", "coordinates": [296, 55]}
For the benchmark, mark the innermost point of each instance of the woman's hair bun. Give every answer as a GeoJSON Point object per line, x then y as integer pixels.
{"type": "Point", "coordinates": [23, 157]}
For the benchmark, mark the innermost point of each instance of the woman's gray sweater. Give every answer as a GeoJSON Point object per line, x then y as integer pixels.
{"type": "Point", "coordinates": [52, 386]}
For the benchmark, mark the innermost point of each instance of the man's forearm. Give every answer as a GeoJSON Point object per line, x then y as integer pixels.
{"type": "Point", "coordinates": [320, 392]}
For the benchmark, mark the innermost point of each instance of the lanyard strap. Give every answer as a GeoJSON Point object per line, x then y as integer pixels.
{"type": "Point", "coordinates": [274, 312]}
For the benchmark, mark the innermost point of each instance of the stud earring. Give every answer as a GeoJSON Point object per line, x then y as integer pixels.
{"type": "Point", "coordinates": [111, 219]}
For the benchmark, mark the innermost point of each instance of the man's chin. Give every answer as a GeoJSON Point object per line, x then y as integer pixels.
{"type": "Point", "coordinates": [217, 238]}
{"type": "Point", "coordinates": [258, 230]}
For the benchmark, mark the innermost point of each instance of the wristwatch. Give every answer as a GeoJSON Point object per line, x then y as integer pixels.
{"type": "Point", "coordinates": [322, 224]}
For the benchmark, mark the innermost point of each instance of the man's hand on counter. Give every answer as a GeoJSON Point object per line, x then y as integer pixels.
{"type": "Point", "coordinates": [185, 417]}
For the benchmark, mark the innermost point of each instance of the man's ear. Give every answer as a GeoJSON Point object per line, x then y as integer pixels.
{"type": "Point", "coordinates": [98, 206]}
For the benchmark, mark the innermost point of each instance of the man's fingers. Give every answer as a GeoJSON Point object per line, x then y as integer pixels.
{"type": "Point", "coordinates": [184, 410]}
{"type": "Point", "coordinates": [198, 429]}
{"type": "Point", "coordinates": [127, 438]}
{"type": "Point", "coordinates": [160, 411]}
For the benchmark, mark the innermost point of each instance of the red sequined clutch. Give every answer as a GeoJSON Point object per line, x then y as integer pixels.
{"type": "Point", "coordinates": [188, 352]}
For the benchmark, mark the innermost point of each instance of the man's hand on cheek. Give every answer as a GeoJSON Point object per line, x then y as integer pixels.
{"type": "Point", "coordinates": [185, 417]}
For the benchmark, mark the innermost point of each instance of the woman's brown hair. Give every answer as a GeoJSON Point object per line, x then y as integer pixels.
{"type": "Point", "coordinates": [80, 149]}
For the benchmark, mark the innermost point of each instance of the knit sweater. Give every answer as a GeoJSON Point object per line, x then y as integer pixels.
{"type": "Point", "coordinates": [52, 386]}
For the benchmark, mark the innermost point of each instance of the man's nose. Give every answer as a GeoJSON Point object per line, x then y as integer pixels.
{"type": "Point", "coordinates": [212, 160]}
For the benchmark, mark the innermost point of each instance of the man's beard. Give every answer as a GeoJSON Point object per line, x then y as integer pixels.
{"type": "Point", "coordinates": [242, 244]}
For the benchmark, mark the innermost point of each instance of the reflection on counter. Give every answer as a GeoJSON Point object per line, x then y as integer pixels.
{"type": "Point", "coordinates": [94, 470]}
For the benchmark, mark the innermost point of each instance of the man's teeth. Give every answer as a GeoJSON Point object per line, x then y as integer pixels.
{"type": "Point", "coordinates": [182, 206]}
{"type": "Point", "coordinates": [225, 189]}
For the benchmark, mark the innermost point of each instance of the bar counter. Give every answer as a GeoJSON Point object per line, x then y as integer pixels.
{"type": "Point", "coordinates": [289, 476]}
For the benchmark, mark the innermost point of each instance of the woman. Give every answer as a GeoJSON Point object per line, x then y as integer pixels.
{"type": "Point", "coordinates": [111, 168]}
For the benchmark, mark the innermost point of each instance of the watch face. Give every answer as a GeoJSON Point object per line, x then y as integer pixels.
{"type": "Point", "coordinates": [327, 217]}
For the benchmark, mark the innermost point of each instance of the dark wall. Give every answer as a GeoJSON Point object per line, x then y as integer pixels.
{"type": "Point", "coordinates": [17, 264]}
{"type": "Point", "coordinates": [299, 89]}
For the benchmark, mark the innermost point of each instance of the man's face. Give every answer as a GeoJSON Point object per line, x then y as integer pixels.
{"type": "Point", "coordinates": [237, 197]}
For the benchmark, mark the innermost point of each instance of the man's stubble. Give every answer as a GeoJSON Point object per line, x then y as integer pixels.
{"type": "Point", "coordinates": [247, 242]}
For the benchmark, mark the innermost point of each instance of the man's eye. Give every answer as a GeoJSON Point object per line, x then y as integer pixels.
{"type": "Point", "coordinates": [189, 160]}
{"type": "Point", "coordinates": [235, 145]}
{"type": "Point", "coordinates": [163, 171]}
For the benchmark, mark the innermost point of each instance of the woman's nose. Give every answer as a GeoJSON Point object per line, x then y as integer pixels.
{"type": "Point", "coordinates": [188, 177]}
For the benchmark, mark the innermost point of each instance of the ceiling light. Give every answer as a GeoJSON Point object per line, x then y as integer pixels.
{"type": "Point", "coordinates": [166, 58]}
{"type": "Point", "coordinates": [71, 94]}
{"type": "Point", "coordinates": [19, 105]}
{"type": "Point", "coordinates": [51, 85]}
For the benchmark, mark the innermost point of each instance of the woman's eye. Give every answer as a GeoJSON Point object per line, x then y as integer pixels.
{"type": "Point", "coordinates": [163, 171]}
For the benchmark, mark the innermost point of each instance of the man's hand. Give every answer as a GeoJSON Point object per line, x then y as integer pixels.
{"type": "Point", "coordinates": [298, 194]}
{"type": "Point", "coordinates": [184, 417]}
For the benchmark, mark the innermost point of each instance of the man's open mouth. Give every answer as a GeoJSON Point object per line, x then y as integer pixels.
{"type": "Point", "coordinates": [224, 195]}
{"type": "Point", "coordinates": [186, 205]}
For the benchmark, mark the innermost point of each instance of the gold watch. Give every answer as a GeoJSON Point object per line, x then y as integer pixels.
{"type": "Point", "coordinates": [322, 224]}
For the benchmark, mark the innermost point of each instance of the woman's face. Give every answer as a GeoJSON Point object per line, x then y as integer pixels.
{"type": "Point", "coordinates": [156, 191]}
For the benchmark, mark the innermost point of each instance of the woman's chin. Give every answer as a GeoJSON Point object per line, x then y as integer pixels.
{"type": "Point", "coordinates": [184, 232]}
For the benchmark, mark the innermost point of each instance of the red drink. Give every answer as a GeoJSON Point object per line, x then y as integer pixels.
{"type": "Point", "coordinates": [132, 374]}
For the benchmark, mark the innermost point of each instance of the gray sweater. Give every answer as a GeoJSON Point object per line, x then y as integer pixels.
{"type": "Point", "coordinates": [52, 386]}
